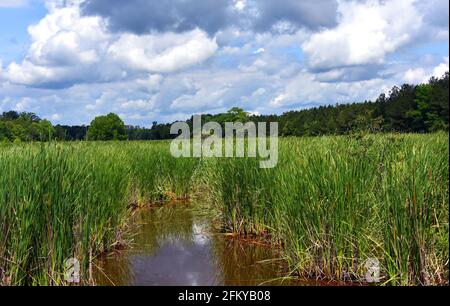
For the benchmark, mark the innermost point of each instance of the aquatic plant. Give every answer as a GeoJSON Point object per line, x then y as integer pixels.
{"type": "Point", "coordinates": [332, 202]}
{"type": "Point", "coordinates": [336, 202]}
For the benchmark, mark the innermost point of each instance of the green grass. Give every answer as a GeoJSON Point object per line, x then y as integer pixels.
{"type": "Point", "coordinates": [332, 202]}
{"type": "Point", "coordinates": [63, 200]}
{"type": "Point", "coordinates": [335, 202]}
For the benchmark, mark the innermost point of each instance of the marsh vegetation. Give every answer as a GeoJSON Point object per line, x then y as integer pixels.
{"type": "Point", "coordinates": [332, 202]}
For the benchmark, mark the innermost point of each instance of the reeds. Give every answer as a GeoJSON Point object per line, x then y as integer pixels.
{"type": "Point", "coordinates": [335, 202]}
{"type": "Point", "coordinates": [332, 202]}
{"type": "Point", "coordinates": [71, 200]}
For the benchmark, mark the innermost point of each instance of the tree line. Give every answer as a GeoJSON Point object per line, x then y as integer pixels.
{"type": "Point", "coordinates": [419, 108]}
{"type": "Point", "coordinates": [24, 126]}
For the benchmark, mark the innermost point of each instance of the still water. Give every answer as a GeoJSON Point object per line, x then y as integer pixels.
{"type": "Point", "coordinates": [175, 245]}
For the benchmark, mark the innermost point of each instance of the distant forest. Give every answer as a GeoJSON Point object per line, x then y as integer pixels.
{"type": "Point", "coordinates": [410, 108]}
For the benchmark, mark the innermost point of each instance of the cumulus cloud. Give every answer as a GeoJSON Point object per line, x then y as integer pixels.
{"type": "Point", "coordinates": [266, 15]}
{"type": "Point", "coordinates": [153, 60]}
{"type": "Point", "coordinates": [442, 68]}
{"type": "Point", "coordinates": [68, 48]}
{"type": "Point", "coordinates": [141, 16]}
{"type": "Point", "coordinates": [423, 74]}
{"type": "Point", "coordinates": [64, 47]}
{"type": "Point", "coordinates": [305, 90]}
{"type": "Point", "coordinates": [139, 105]}
{"type": "Point", "coordinates": [162, 53]}
{"type": "Point", "coordinates": [366, 33]}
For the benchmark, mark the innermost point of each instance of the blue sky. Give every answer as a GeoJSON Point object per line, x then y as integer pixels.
{"type": "Point", "coordinates": [69, 61]}
{"type": "Point", "coordinates": [14, 21]}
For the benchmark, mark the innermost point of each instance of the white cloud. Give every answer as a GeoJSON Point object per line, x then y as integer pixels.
{"type": "Point", "coordinates": [423, 74]}
{"type": "Point", "coordinates": [28, 74]}
{"type": "Point", "coordinates": [166, 52]}
{"type": "Point", "coordinates": [23, 104]}
{"type": "Point", "coordinates": [153, 81]}
{"type": "Point", "coordinates": [68, 48]}
{"type": "Point", "coordinates": [64, 38]}
{"type": "Point", "coordinates": [443, 67]}
{"type": "Point", "coordinates": [259, 92]}
{"type": "Point", "coordinates": [260, 50]}
{"type": "Point", "coordinates": [240, 5]}
{"type": "Point", "coordinates": [138, 105]}
{"type": "Point", "coordinates": [305, 90]}
{"type": "Point", "coordinates": [65, 48]}
{"type": "Point", "coordinates": [104, 100]}
{"type": "Point", "coordinates": [76, 68]}
{"type": "Point", "coordinates": [203, 98]}
{"type": "Point", "coordinates": [414, 75]}
{"type": "Point", "coordinates": [258, 64]}
{"type": "Point", "coordinates": [367, 31]}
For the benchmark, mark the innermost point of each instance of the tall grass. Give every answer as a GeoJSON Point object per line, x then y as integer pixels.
{"type": "Point", "coordinates": [59, 201]}
{"type": "Point", "coordinates": [333, 202]}
{"type": "Point", "coordinates": [156, 175]}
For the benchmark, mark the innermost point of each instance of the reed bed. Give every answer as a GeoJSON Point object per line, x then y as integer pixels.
{"type": "Point", "coordinates": [332, 202]}
{"type": "Point", "coordinates": [72, 200]}
{"type": "Point", "coordinates": [336, 202]}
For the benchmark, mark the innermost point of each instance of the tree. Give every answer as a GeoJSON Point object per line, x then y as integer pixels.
{"type": "Point", "coordinates": [109, 127]}
{"type": "Point", "coordinates": [17, 131]}
{"type": "Point", "coordinates": [11, 115]}
{"type": "Point", "coordinates": [42, 130]}
{"type": "Point", "coordinates": [4, 132]}
{"type": "Point", "coordinates": [236, 114]}
{"type": "Point", "coordinates": [410, 108]}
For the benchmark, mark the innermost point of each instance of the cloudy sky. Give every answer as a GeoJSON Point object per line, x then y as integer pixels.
{"type": "Point", "coordinates": [165, 60]}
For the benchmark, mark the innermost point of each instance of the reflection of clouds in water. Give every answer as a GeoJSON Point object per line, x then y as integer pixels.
{"type": "Point", "coordinates": [178, 260]}
{"type": "Point", "coordinates": [175, 248]}
{"type": "Point", "coordinates": [175, 264]}
{"type": "Point", "coordinates": [198, 233]}
{"type": "Point", "coordinates": [193, 277]}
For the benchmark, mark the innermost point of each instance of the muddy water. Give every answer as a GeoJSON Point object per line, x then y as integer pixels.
{"type": "Point", "coordinates": [174, 245]}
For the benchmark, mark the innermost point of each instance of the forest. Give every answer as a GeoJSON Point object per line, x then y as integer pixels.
{"type": "Point", "coordinates": [419, 108]}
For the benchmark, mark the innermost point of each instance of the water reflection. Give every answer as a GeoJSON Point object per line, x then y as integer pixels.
{"type": "Point", "coordinates": [175, 246]}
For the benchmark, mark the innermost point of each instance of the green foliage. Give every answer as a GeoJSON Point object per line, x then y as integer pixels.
{"type": "Point", "coordinates": [24, 127]}
{"type": "Point", "coordinates": [334, 202]}
{"type": "Point", "coordinates": [64, 200]}
{"type": "Point", "coordinates": [76, 132]}
{"type": "Point", "coordinates": [109, 127]}
{"type": "Point", "coordinates": [419, 109]}
{"type": "Point", "coordinates": [44, 130]}
{"type": "Point", "coordinates": [235, 114]}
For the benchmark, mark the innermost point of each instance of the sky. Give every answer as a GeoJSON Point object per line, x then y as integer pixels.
{"type": "Point", "coordinates": [69, 61]}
